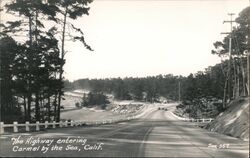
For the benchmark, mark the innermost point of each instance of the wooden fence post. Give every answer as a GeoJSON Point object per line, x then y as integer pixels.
{"type": "Point", "coordinates": [71, 123]}
{"type": "Point", "coordinates": [66, 123]}
{"type": "Point", "coordinates": [27, 127]}
{"type": "Point", "coordinates": [54, 124]}
{"type": "Point", "coordinates": [1, 127]}
{"type": "Point", "coordinates": [60, 124]}
{"type": "Point", "coordinates": [46, 124]}
{"type": "Point", "coordinates": [15, 127]}
{"type": "Point", "coordinates": [37, 126]}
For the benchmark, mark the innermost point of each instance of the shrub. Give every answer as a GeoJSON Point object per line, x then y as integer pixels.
{"type": "Point", "coordinates": [96, 98]}
{"type": "Point", "coordinates": [77, 104]}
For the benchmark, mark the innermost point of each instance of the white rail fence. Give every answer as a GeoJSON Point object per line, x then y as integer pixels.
{"type": "Point", "coordinates": [72, 123]}
{"type": "Point", "coordinates": [203, 120]}
{"type": "Point", "coordinates": [54, 124]}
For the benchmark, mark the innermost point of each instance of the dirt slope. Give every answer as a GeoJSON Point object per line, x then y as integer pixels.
{"type": "Point", "coordinates": [234, 121]}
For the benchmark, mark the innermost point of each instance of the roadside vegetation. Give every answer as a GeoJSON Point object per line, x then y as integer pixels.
{"type": "Point", "coordinates": [32, 56]}
{"type": "Point", "coordinates": [93, 99]}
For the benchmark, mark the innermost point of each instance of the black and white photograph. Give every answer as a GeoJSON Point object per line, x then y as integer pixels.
{"type": "Point", "coordinates": [124, 78]}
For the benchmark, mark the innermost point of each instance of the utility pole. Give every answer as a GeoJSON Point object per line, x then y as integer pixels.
{"type": "Point", "coordinates": [229, 77]}
{"type": "Point", "coordinates": [248, 72]}
{"type": "Point", "coordinates": [0, 15]}
{"type": "Point", "coordinates": [248, 58]}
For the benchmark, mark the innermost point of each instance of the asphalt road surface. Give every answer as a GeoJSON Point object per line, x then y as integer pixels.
{"type": "Point", "coordinates": [157, 134]}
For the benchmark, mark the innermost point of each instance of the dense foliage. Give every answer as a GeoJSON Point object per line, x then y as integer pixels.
{"type": "Point", "coordinates": [31, 60]}
{"type": "Point", "coordinates": [145, 89]}
{"type": "Point", "coordinates": [94, 99]}
{"type": "Point", "coordinates": [208, 83]}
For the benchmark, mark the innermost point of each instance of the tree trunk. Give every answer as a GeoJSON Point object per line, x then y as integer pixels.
{"type": "Point", "coordinates": [238, 82]}
{"type": "Point", "coordinates": [225, 93]}
{"type": "Point", "coordinates": [243, 77]}
{"type": "Point", "coordinates": [29, 93]}
{"type": "Point", "coordinates": [48, 107]}
{"type": "Point", "coordinates": [61, 67]}
{"type": "Point", "coordinates": [248, 72]}
{"type": "Point", "coordinates": [25, 108]}
{"type": "Point", "coordinates": [229, 79]}
{"type": "Point", "coordinates": [29, 106]}
{"type": "Point", "coordinates": [235, 80]}
{"type": "Point", "coordinates": [41, 103]}
{"type": "Point", "coordinates": [36, 25]}
{"type": "Point", "coordinates": [248, 57]}
{"type": "Point", "coordinates": [37, 107]}
{"type": "Point", "coordinates": [55, 105]}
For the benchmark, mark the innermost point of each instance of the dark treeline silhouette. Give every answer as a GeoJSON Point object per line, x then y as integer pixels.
{"type": "Point", "coordinates": [208, 83]}
{"type": "Point", "coordinates": [32, 57]}
{"type": "Point", "coordinates": [144, 89]}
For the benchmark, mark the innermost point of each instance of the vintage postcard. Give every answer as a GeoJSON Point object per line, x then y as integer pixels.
{"type": "Point", "coordinates": [124, 78]}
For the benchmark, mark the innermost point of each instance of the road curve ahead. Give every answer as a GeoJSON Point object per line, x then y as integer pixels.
{"type": "Point", "coordinates": [157, 134]}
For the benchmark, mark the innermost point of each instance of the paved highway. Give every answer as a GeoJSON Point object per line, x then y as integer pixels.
{"type": "Point", "coordinates": [156, 134]}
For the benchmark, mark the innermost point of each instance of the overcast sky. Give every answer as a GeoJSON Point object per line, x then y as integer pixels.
{"type": "Point", "coordinates": [149, 37]}
{"type": "Point", "coordinates": [143, 37]}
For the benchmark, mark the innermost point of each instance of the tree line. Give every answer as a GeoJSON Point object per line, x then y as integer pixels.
{"type": "Point", "coordinates": [32, 56]}
{"type": "Point", "coordinates": [201, 84]}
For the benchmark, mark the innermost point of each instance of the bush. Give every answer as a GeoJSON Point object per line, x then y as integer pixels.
{"type": "Point", "coordinates": [77, 104]}
{"type": "Point", "coordinates": [96, 98]}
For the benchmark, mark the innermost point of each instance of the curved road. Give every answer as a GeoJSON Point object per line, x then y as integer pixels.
{"type": "Point", "coordinates": [156, 134]}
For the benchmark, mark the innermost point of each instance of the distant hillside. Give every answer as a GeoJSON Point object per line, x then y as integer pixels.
{"type": "Point", "coordinates": [234, 121]}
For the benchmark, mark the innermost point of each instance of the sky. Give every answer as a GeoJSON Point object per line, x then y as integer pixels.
{"type": "Point", "coordinates": [137, 38]}
{"type": "Point", "coordinates": [145, 37]}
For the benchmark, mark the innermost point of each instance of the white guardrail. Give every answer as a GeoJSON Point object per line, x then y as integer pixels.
{"type": "Point", "coordinates": [53, 124]}
{"type": "Point", "coordinates": [203, 120]}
